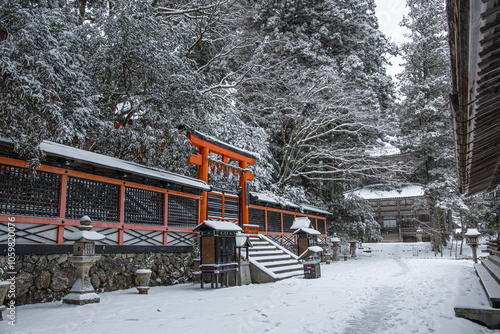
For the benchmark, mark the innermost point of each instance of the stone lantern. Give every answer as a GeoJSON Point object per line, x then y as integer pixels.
{"type": "Point", "coordinates": [419, 234]}
{"type": "Point", "coordinates": [83, 258]}
{"type": "Point", "coordinates": [335, 248]}
{"type": "Point", "coordinates": [353, 246]}
{"type": "Point", "coordinates": [472, 236]}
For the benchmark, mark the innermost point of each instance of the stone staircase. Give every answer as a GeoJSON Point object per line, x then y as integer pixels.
{"type": "Point", "coordinates": [489, 274]}
{"type": "Point", "coordinates": [488, 271]}
{"type": "Point", "coordinates": [270, 262]}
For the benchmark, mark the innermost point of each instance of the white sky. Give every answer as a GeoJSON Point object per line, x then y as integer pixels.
{"type": "Point", "coordinates": [389, 14]}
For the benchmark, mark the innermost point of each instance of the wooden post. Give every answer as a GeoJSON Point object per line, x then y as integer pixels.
{"type": "Point", "coordinates": [121, 213]}
{"type": "Point", "coordinates": [244, 207]}
{"type": "Point", "coordinates": [203, 176]}
{"type": "Point", "coordinates": [62, 207]}
{"type": "Point", "coordinates": [165, 218]}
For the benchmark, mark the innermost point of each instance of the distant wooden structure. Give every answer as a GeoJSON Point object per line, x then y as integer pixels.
{"type": "Point", "coordinates": [400, 212]}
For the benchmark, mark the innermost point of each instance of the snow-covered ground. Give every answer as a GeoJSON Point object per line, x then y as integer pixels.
{"type": "Point", "coordinates": [399, 288]}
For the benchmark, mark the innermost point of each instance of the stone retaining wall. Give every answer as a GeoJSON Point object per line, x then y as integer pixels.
{"type": "Point", "coordinates": [44, 278]}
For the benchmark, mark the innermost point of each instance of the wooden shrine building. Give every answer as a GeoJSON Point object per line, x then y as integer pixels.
{"type": "Point", "coordinates": [474, 39]}
{"type": "Point", "coordinates": [145, 209]}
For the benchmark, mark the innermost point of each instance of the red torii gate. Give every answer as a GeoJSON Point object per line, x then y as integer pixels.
{"type": "Point", "coordinates": [208, 144]}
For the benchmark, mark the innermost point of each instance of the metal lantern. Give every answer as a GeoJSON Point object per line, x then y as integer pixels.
{"type": "Point", "coordinates": [218, 250]}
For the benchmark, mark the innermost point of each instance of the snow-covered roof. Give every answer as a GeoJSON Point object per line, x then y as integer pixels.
{"type": "Point", "coordinates": [273, 199]}
{"type": "Point", "coordinates": [385, 149]}
{"type": "Point", "coordinates": [382, 192]}
{"type": "Point", "coordinates": [313, 209]}
{"type": "Point", "coordinates": [300, 222]}
{"type": "Point", "coordinates": [315, 249]}
{"type": "Point", "coordinates": [307, 231]}
{"type": "Point", "coordinates": [243, 240]}
{"type": "Point", "coordinates": [218, 225]}
{"type": "Point", "coordinates": [472, 232]}
{"type": "Point", "coordinates": [59, 150]}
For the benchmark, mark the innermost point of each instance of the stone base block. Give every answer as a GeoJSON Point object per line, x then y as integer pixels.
{"type": "Point", "coordinates": [143, 290]}
{"type": "Point", "coordinates": [488, 317]}
{"type": "Point", "coordinates": [81, 298]}
{"type": "Point", "coordinates": [2, 308]}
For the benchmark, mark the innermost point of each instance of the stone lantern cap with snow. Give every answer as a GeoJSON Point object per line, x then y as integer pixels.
{"type": "Point", "coordinates": [335, 240]}
{"type": "Point", "coordinates": [472, 235]}
{"type": "Point", "coordinates": [84, 239]}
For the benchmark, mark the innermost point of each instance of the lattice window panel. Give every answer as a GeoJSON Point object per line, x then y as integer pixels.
{"type": "Point", "coordinates": [143, 207]}
{"type": "Point", "coordinates": [182, 211]}
{"type": "Point", "coordinates": [288, 241]}
{"type": "Point", "coordinates": [313, 222]}
{"type": "Point", "coordinates": [22, 195]}
{"type": "Point", "coordinates": [287, 222]}
{"type": "Point", "coordinates": [275, 238]}
{"type": "Point", "coordinates": [95, 199]}
{"type": "Point", "coordinates": [257, 217]}
{"type": "Point", "coordinates": [321, 226]}
{"type": "Point", "coordinates": [181, 239]}
{"type": "Point", "coordinates": [142, 238]}
{"type": "Point", "coordinates": [273, 221]}
{"type": "Point", "coordinates": [230, 208]}
{"type": "Point", "coordinates": [30, 233]}
{"type": "Point", "coordinates": [214, 205]}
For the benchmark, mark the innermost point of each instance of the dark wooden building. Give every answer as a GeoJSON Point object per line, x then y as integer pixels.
{"type": "Point", "coordinates": [474, 39]}
{"type": "Point", "coordinates": [400, 212]}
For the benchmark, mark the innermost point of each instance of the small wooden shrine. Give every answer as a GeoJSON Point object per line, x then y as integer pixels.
{"type": "Point", "coordinates": [218, 251]}
{"type": "Point", "coordinates": [306, 236]}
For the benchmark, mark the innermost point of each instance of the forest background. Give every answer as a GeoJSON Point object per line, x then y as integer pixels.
{"type": "Point", "coordinates": [302, 84]}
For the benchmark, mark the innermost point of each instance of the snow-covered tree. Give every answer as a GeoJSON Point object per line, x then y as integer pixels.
{"type": "Point", "coordinates": [424, 113]}
{"type": "Point", "coordinates": [44, 87]}
{"type": "Point", "coordinates": [318, 88]}
{"type": "Point", "coordinates": [353, 218]}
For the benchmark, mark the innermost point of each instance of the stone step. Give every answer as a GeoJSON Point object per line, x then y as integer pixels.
{"type": "Point", "coordinates": [492, 268]}
{"type": "Point", "coordinates": [266, 252]}
{"type": "Point", "coordinates": [262, 247]}
{"type": "Point", "coordinates": [290, 274]}
{"type": "Point", "coordinates": [258, 242]}
{"type": "Point", "coordinates": [495, 259]}
{"type": "Point", "coordinates": [272, 264]}
{"type": "Point", "coordinates": [269, 258]}
{"type": "Point", "coordinates": [490, 285]}
{"type": "Point", "coordinates": [285, 269]}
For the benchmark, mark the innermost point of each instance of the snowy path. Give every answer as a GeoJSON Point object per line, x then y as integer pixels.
{"type": "Point", "coordinates": [390, 292]}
